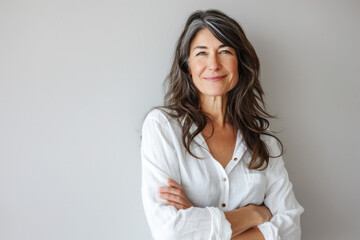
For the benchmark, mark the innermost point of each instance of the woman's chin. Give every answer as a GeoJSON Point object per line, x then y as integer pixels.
{"type": "Point", "coordinates": [214, 93]}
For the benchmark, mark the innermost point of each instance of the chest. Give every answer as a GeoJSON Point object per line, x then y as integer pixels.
{"type": "Point", "coordinates": [206, 183]}
{"type": "Point", "coordinates": [220, 175]}
{"type": "Point", "coordinates": [221, 145]}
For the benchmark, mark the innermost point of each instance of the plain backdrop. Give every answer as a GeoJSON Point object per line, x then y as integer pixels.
{"type": "Point", "coordinates": [77, 78]}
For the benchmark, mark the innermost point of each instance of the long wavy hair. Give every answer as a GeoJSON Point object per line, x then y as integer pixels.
{"type": "Point", "coordinates": [245, 107]}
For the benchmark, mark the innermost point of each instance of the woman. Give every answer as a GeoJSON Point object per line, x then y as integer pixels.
{"type": "Point", "coordinates": [211, 168]}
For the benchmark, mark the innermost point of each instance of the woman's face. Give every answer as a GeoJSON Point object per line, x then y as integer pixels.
{"type": "Point", "coordinates": [213, 66]}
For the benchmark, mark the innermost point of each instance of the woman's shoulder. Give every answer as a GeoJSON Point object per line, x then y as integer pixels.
{"type": "Point", "coordinates": [159, 125]}
{"type": "Point", "coordinates": [160, 115]}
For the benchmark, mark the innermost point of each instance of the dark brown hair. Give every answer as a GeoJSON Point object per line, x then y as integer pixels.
{"type": "Point", "coordinates": [245, 108]}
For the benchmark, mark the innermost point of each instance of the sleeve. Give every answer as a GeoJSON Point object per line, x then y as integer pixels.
{"type": "Point", "coordinates": [159, 162]}
{"type": "Point", "coordinates": [280, 199]}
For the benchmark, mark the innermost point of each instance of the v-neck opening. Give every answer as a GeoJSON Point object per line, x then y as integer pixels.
{"type": "Point", "coordinates": [205, 145]}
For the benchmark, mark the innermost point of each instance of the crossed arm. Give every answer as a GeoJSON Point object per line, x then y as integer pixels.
{"type": "Point", "coordinates": [243, 220]}
{"type": "Point", "coordinates": [168, 222]}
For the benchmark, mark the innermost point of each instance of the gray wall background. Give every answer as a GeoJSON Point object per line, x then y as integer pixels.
{"type": "Point", "coordinates": [77, 77]}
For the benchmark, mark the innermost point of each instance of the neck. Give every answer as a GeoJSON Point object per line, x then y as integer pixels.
{"type": "Point", "coordinates": [216, 108]}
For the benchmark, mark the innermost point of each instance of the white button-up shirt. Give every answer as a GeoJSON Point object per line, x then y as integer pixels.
{"type": "Point", "coordinates": [209, 187]}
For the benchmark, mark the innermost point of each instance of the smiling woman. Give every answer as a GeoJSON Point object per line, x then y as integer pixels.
{"type": "Point", "coordinates": [212, 65]}
{"type": "Point", "coordinates": [211, 169]}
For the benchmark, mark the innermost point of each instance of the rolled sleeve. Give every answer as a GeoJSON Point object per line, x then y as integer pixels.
{"type": "Point", "coordinates": [221, 226]}
{"type": "Point", "coordinates": [269, 231]}
{"type": "Point", "coordinates": [281, 201]}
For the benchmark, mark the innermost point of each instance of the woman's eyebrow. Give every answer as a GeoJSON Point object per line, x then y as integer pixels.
{"type": "Point", "coordinates": [204, 47]}
{"type": "Point", "coordinates": [223, 45]}
{"type": "Point", "coordinates": [199, 47]}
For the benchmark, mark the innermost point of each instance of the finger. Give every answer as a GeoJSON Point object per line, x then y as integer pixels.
{"type": "Point", "coordinates": [179, 205]}
{"type": "Point", "coordinates": [176, 199]}
{"type": "Point", "coordinates": [172, 198]}
{"type": "Point", "coordinates": [176, 194]}
{"type": "Point", "coordinates": [171, 190]}
{"type": "Point", "coordinates": [174, 184]}
{"type": "Point", "coordinates": [176, 205]}
{"type": "Point", "coordinates": [164, 189]}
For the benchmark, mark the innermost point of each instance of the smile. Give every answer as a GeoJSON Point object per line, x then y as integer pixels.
{"type": "Point", "coordinates": [215, 78]}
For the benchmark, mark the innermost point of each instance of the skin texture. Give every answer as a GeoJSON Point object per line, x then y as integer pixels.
{"type": "Point", "coordinates": [210, 58]}
{"type": "Point", "coordinates": [251, 233]}
{"type": "Point", "coordinates": [214, 70]}
{"type": "Point", "coordinates": [212, 65]}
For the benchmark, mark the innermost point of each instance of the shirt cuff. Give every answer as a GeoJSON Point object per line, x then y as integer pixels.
{"type": "Point", "coordinates": [221, 227]}
{"type": "Point", "coordinates": [269, 231]}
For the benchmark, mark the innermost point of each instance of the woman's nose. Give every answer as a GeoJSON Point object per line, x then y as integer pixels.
{"type": "Point", "coordinates": [213, 62]}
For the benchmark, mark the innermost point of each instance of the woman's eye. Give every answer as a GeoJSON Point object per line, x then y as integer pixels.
{"type": "Point", "coordinates": [201, 53]}
{"type": "Point", "coordinates": [225, 51]}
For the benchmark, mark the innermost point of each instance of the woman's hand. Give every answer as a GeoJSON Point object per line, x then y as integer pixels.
{"type": "Point", "coordinates": [263, 213]}
{"type": "Point", "coordinates": [174, 195]}
{"type": "Point", "coordinates": [244, 218]}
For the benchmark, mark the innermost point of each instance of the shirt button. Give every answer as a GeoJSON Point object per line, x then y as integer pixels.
{"type": "Point", "coordinates": [224, 179]}
{"type": "Point", "coordinates": [223, 205]}
{"type": "Point", "coordinates": [235, 159]}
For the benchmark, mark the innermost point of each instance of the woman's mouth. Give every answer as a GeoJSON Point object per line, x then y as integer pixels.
{"type": "Point", "coordinates": [215, 78]}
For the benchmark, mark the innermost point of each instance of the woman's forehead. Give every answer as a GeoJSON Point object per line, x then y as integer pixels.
{"type": "Point", "coordinates": [205, 39]}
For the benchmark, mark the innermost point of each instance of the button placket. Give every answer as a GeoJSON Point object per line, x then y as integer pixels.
{"type": "Point", "coordinates": [223, 184]}
{"type": "Point", "coordinates": [224, 181]}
